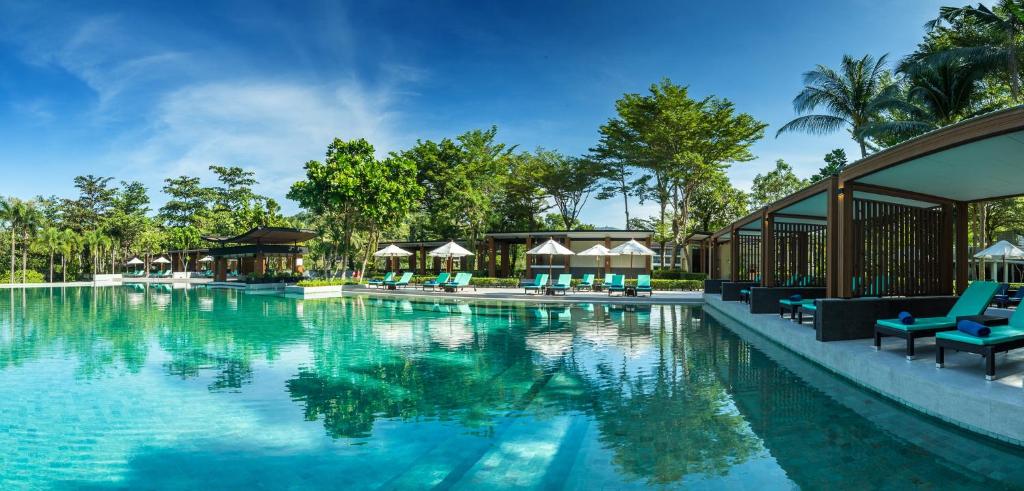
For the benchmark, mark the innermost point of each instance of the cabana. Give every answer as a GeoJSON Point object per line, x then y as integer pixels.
{"type": "Point", "coordinates": [256, 248]}
{"type": "Point", "coordinates": [736, 252]}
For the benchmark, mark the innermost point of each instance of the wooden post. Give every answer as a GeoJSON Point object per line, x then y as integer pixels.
{"type": "Point", "coordinates": [960, 249]}
{"type": "Point", "coordinates": [490, 257]}
{"type": "Point", "coordinates": [734, 254]}
{"type": "Point", "coordinates": [946, 242]}
{"type": "Point", "coordinates": [529, 259]}
{"type": "Point", "coordinates": [220, 269]}
{"type": "Point", "coordinates": [505, 262]}
{"type": "Point", "coordinates": [648, 259]}
{"type": "Point", "coordinates": [768, 250]}
{"type": "Point", "coordinates": [844, 245]}
{"type": "Point", "coordinates": [568, 263]}
{"type": "Point", "coordinates": [607, 259]}
{"type": "Point", "coordinates": [831, 238]}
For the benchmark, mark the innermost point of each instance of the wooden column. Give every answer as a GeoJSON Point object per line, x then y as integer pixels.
{"type": "Point", "coordinates": [423, 260]}
{"type": "Point", "coordinates": [648, 259]}
{"type": "Point", "coordinates": [734, 254]}
{"type": "Point", "coordinates": [946, 242]}
{"type": "Point", "coordinates": [568, 245]}
{"type": "Point", "coordinates": [960, 250]}
{"type": "Point", "coordinates": [844, 245]}
{"type": "Point", "coordinates": [220, 269]}
{"type": "Point", "coordinates": [505, 262]}
{"type": "Point", "coordinates": [831, 238]}
{"type": "Point", "coordinates": [607, 259]}
{"type": "Point", "coordinates": [768, 250]}
{"type": "Point", "coordinates": [529, 259]}
{"type": "Point", "coordinates": [412, 262]}
{"type": "Point", "coordinates": [491, 269]}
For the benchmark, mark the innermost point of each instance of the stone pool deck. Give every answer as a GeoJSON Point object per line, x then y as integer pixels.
{"type": "Point", "coordinates": [517, 294]}
{"type": "Point", "coordinates": [958, 393]}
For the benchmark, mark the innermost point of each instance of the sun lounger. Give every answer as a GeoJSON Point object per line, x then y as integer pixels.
{"type": "Point", "coordinates": [1002, 338]}
{"type": "Point", "coordinates": [792, 306]}
{"type": "Point", "coordinates": [973, 302]}
{"type": "Point", "coordinates": [436, 282]}
{"type": "Point", "coordinates": [563, 284]}
{"type": "Point", "coordinates": [402, 282]}
{"type": "Point", "coordinates": [586, 283]}
{"type": "Point", "coordinates": [608, 279]}
{"type": "Point", "coordinates": [618, 284]}
{"type": "Point", "coordinates": [1004, 301]}
{"type": "Point", "coordinates": [460, 282]}
{"type": "Point", "coordinates": [389, 276]}
{"type": "Point", "coordinates": [643, 285]}
{"type": "Point", "coordinates": [539, 283]}
{"type": "Point", "coordinates": [745, 293]}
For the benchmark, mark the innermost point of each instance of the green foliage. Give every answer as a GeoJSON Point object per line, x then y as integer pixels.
{"type": "Point", "coordinates": [31, 276]}
{"type": "Point", "coordinates": [568, 181]}
{"type": "Point", "coordinates": [774, 185]}
{"type": "Point", "coordinates": [310, 283]}
{"type": "Point", "coordinates": [670, 274]}
{"type": "Point", "coordinates": [715, 203]}
{"type": "Point", "coordinates": [835, 161]}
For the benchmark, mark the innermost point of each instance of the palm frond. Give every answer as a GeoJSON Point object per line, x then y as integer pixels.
{"type": "Point", "coordinates": [815, 124]}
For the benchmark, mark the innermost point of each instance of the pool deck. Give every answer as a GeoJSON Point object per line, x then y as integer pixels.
{"type": "Point", "coordinates": [958, 393]}
{"type": "Point", "coordinates": [517, 294]}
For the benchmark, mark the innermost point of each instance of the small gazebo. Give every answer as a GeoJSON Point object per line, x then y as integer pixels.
{"type": "Point", "coordinates": [255, 248]}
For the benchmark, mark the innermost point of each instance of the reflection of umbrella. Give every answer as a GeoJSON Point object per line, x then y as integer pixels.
{"type": "Point", "coordinates": [552, 249]}
{"type": "Point", "coordinates": [1001, 250]}
{"type": "Point", "coordinates": [450, 250]}
{"type": "Point", "coordinates": [632, 248]}
{"type": "Point", "coordinates": [597, 251]}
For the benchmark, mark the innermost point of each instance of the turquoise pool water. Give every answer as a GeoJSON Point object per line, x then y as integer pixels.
{"type": "Point", "coordinates": [134, 387]}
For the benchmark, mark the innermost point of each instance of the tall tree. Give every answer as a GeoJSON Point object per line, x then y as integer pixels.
{"type": "Point", "coordinates": [852, 97]}
{"type": "Point", "coordinates": [774, 185]}
{"type": "Point", "coordinates": [619, 181]}
{"type": "Point", "coordinates": [835, 162]}
{"type": "Point", "coordinates": [50, 241]}
{"type": "Point", "coordinates": [716, 203]}
{"type": "Point", "coordinates": [95, 197]}
{"type": "Point", "coordinates": [568, 181]}
{"type": "Point", "coordinates": [188, 203]}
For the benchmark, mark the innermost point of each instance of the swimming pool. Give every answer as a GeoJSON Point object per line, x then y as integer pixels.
{"type": "Point", "coordinates": [135, 386]}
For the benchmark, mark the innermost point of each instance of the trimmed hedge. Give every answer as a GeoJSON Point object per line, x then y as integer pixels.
{"type": "Point", "coordinates": [675, 274]}
{"type": "Point", "coordinates": [326, 282]}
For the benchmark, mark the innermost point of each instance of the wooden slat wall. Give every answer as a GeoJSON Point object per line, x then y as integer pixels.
{"type": "Point", "coordinates": [896, 250]}
{"type": "Point", "coordinates": [800, 250]}
{"type": "Point", "coordinates": [750, 256]}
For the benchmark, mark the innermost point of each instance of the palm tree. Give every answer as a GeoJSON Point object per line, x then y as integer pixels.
{"type": "Point", "coordinates": [854, 96]}
{"type": "Point", "coordinates": [70, 243]}
{"type": "Point", "coordinates": [8, 213]}
{"type": "Point", "coordinates": [93, 241]}
{"type": "Point", "coordinates": [1002, 29]}
{"type": "Point", "coordinates": [934, 95]}
{"type": "Point", "coordinates": [50, 239]}
{"type": "Point", "coordinates": [30, 221]}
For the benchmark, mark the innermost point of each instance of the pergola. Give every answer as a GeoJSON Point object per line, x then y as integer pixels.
{"type": "Point", "coordinates": [253, 248]}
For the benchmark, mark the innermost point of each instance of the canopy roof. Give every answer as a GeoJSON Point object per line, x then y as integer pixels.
{"type": "Point", "coordinates": [550, 247]}
{"type": "Point", "coordinates": [134, 261]}
{"type": "Point", "coordinates": [977, 159]}
{"type": "Point", "coordinates": [268, 235]}
{"type": "Point", "coordinates": [1001, 250]}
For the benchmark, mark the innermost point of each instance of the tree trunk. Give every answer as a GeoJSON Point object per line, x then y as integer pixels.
{"type": "Point", "coordinates": [863, 148]}
{"type": "Point", "coordinates": [63, 268]}
{"type": "Point", "coordinates": [50, 279]}
{"type": "Point", "coordinates": [12, 256]}
{"type": "Point", "coordinates": [1011, 65]}
{"type": "Point", "coordinates": [24, 261]}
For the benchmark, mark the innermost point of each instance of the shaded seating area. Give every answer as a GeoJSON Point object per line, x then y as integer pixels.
{"type": "Point", "coordinates": [261, 250]}
{"type": "Point", "coordinates": [1002, 337]}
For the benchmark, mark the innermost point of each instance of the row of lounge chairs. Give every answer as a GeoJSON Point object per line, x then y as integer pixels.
{"type": "Point", "coordinates": [1003, 334]}
{"type": "Point", "coordinates": [612, 283]}
{"type": "Point", "coordinates": [444, 281]}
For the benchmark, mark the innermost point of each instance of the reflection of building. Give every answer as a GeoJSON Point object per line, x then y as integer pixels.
{"type": "Point", "coordinates": [259, 250]}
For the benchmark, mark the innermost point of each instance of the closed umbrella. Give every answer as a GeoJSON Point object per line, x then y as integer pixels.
{"type": "Point", "coordinates": [632, 248]}
{"type": "Point", "coordinates": [552, 249]}
{"type": "Point", "coordinates": [1001, 250]}
{"type": "Point", "coordinates": [448, 251]}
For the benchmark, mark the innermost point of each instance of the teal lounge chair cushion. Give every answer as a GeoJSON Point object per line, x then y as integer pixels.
{"type": "Point", "coordinates": [618, 283]}
{"type": "Point", "coordinates": [920, 324]}
{"type": "Point", "coordinates": [1000, 334]}
{"type": "Point", "coordinates": [539, 281]}
{"type": "Point", "coordinates": [747, 292]}
{"type": "Point", "coordinates": [643, 283]}
{"type": "Point", "coordinates": [806, 301]}
{"type": "Point", "coordinates": [809, 306]}
{"type": "Point", "coordinates": [563, 283]}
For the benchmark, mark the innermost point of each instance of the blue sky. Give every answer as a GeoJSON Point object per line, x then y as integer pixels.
{"type": "Point", "coordinates": [147, 90]}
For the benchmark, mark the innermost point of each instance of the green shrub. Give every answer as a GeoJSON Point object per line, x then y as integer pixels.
{"type": "Point", "coordinates": [675, 274]}
{"type": "Point", "coordinates": [494, 282]}
{"type": "Point", "coordinates": [326, 282]}
{"type": "Point", "coordinates": [33, 276]}
{"type": "Point", "coordinates": [682, 285]}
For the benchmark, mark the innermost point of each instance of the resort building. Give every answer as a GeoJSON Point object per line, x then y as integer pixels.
{"type": "Point", "coordinates": [259, 251]}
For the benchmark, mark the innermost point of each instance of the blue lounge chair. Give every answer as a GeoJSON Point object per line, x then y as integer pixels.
{"type": "Point", "coordinates": [745, 293]}
{"type": "Point", "coordinates": [539, 283]}
{"type": "Point", "coordinates": [608, 278]}
{"type": "Point", "coordinates": [436, 282]}
{"type": "Point", "coordinates": [643, 284]}
{"type": "Point", "coordinates": [1002, 338]}
{"type": "Point", "coordinates": [563, 284]}
{"type": "Point", "coordinates": [973, 302]}
{"type": "Point", "coordinates": [586, 283]}
{"type": "Point", "coordinates": [402, 282]}
{"type": "Point", "coordinates": [618, 284]}
{"type": "Point", "coordinates": [380, 283]}
{"type": "Point", "coordinates": [1005, 301]}
{"type": "Point", "coordinates": [460, 282]}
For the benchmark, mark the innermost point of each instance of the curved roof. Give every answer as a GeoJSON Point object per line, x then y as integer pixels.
{"type": "Point", "coordinates": [268, 235]}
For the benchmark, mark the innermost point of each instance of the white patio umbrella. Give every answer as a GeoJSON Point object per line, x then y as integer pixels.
{"type": "Point", "coordinates": [632, 248]}
{"type": "Point", "coordinates": [392, 251]}
{"type": "Point", "coordinates": [552, 249]}
{"type": "Point", "coordinates": [1002, 250]}
{"type": "Point", "coordinates": [162, 260]}
{"type": "Point", "coordinates": [448, 251]}
{"type": "Point", "coordinates": [134, 261]}
{"type": "Point", "coordinates": [598, 251]}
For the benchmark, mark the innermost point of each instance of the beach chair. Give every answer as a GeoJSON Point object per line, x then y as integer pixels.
{"type": "Point", "coordinates": [563, 284]}
{"type": "Point", "coordinates": [608, 278]}
{"type": "Point", "coordinates": [389, 276]}
{"type": "Point", "coordinates": [436, 282]}
{"type": "Point", "coordinates": [460, 282]}
{"type": "Point", "coordinates": [745, 293]}
{"type": "Point", "coordinates": [618, 284]}
{"type": "Point", "coordinates": [973, 302]}
{"type": "Point", "coordinates": [793, 307]}
{"type": "Point", "coordinates": [643, 285]}
{"type": "Point", "coordinates": [1001, 339]}
{"type": "Point", "coordinates": [1005, 301]}
{"type": "Point", "coordinates": [539, 283]}
{"type": "Point", "coordinates": [586, 283]}
{"type": "Point", "coordinates": [402, 282]}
